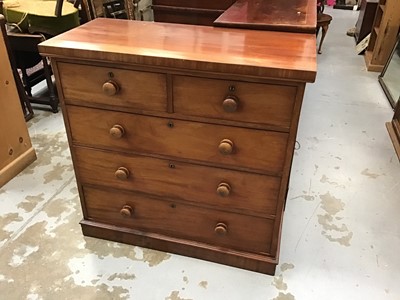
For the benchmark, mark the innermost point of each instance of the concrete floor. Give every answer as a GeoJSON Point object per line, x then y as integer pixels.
{"type": "Point", "coordinates": [341, 230]}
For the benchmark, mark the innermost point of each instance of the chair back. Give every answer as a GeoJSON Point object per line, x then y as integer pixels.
{"type": "Point", "coordinates": [25, 49]}
{"type": "Point", "coordinates": [320, 6]}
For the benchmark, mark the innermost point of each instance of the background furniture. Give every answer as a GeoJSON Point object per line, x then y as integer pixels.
{"type": "Point", "coordinates": [393, 128]}
{"type": "Point", "coordinates": [39, 16]}
{"type": "Point", "coordinates": [384, 34]}
{"type": "Point", "coordinates": [365, 19]}
{"type": "Point", "coordinates": [195, 129]}
{"type": "Point", "coordinates": [390, 76]}
{"type": "Point", "coordinates": [33, 67]}
{"type": "Point", "coordinates": [16, 150]}
{"type": "Point", "coordinates": [200, 12]}
{"type": "Point", "coordinates": [115, 9]}
{"type": "Point", "coordinates": [291, 16]}
{"type": "Point", "coordinates": [345, 4]}
{"type": "Point", "coordinates": [323, 21]}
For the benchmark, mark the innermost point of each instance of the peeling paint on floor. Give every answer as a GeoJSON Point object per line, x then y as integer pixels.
{"type": "Point", "coordinates": [325, 179]}
{"type": "Point", "coordinates": [31, 202]}
{"type": "Point", "coordinates": [369, 174]}
{"type": "Point", "coordinates": [286, 266]}
{"type": "Point", "coordinates": [279, 283]}
{"type": "Point", "coordinates": [175, 296]}
{"type": "Point", "coordinates": [331, 230]}
{"type": "Point", "coordinates": [283, 296]}
{"type": "Point", "coordinates": [203, 284]}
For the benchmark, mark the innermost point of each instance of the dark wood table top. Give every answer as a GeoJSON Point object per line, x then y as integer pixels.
{"type": "Point", "coordinates": [279, 15]}
{"type": "Point", "coordinates": [279, 55]}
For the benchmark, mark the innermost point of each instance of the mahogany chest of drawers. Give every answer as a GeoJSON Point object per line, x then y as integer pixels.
{"type": "Point", "coordinates": [182, 136]}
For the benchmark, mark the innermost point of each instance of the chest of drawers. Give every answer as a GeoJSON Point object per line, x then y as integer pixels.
{"type": "Point", "coordinates": [182, 136]}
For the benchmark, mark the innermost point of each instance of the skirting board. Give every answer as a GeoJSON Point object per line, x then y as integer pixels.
{"type": "Point", "coordinates": [16, 166]}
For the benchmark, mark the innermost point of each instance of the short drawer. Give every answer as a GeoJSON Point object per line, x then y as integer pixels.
{"type": "Point", "coordinates": [257, 103]}
{"type": "Point", "coordinates": [222, 188]}
{"type": "Point", "coordinates": [215, 144]}
{"type": "Point", "coordinates": [135, 211]}
{"type": "Point", "coordinates": [111, 86]}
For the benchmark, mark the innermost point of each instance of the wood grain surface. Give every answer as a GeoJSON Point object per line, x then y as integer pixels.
{"type": "Point", "coordinates": [257, 150]}
{"type": "Point", "coordinates": [291, 16]}
{"type": "Point", "coordinates": [278, 55]}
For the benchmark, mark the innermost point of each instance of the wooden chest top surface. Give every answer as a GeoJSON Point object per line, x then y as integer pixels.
{"type": "Point", "coordinates": [292, 16]}
{"type": "Point", "coordinates": [278, 55]}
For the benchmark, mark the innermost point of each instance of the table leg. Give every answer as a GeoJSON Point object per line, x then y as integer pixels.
{"type": "Point", "coordinates": [324, 31]}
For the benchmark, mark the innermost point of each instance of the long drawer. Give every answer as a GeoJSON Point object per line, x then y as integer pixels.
{"type": "Point", "coordinates": [229, 146]}
{"type": "Point", "coordinates": [111, 86]}
{"type": "Point", "coordinates": [226, 189]}
{"type": "Point", "coordinates": [234, 231]}
{"type": "Point", "coordinates": [255, 103]}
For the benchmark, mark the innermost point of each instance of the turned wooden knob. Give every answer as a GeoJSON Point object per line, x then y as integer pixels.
{"type": "Point", "coordinates": [223, 189]}
{"type": "Point", "coordinates": [126, 211]}
{"type": "Point", "coordinates": [122, 173]}
{"type": "Point", "coordinates": [225, 147]}
{"type": "Point", "coordinates": [110, 88]}
{"type": "Point", "coordinates": [230, 104]}
{"type": "Point", "coordinates": [221, 229]}
{"type": "Point", "coordinates": [117, 131]}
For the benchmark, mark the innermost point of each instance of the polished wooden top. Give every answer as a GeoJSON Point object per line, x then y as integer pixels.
{"type": "Point", "coordinates": [267, 54]}
{"type": "Point", "coordinates": [279, 15]}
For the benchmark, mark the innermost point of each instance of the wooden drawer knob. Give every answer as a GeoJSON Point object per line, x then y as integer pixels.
{"type": "Point", "coordinates": [223, 189]}
{"type": "Point", "coordinates": [110, 88]}
{"type": "Point", "coordinates": [225, 147]}
{"type": "Point", "coordinates": [126, 211]}
{"type": "Point", "coordinates": [230, 104]}
{"type": "Point", "coordinates": [122, 173]}
{"type": "Point", "coordinates": [117, 131]}
{"type": "Point", "coordinates": [221, 229]}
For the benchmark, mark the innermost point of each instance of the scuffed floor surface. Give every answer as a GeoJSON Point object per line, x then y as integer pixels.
{"type": "Point", "coordinates": [341, 230]}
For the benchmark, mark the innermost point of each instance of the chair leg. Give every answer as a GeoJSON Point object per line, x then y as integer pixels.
{"type": "Point", "coordinates": [25, 82]}
{"type": "Point", "coordinates": [317, 31]}
{"type": "Point", "coordinates": [25, 103]}
{"type": "Point", "coordinates": [50, 86]}
{"type": "Point", "coordinates": [324, 31]}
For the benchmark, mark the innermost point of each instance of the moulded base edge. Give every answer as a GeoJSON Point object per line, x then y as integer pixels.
{"type": "Point", "coordinates": [248, 261]}
{"type": "Point", "coordinates": [370, 66]}
{"type": "Point", "coordinates": [16, 166]}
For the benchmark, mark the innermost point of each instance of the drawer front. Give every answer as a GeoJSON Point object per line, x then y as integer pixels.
{"type": "Point", "coordinates": [226, 189]}
{"type": "Point", "coordinates": [247, 148]}
{"type": "Point", "coordinates": [172, 219]}
{"type": "Point", "coordinates": [133, 89]}
{"type": "Point", "coordinates": [233, 100]}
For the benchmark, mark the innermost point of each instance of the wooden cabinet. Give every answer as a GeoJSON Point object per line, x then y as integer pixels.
{"type": "Point", "coordinates": [383, 35]}
{"type": "Point", "coordinates": [16, 150]}
{"type": "Point", "coordinates": [182, 137]}
{"type": "Point", "coordinates": [365, 19]}
{"type": "Point", "coordinates": [200, 12]}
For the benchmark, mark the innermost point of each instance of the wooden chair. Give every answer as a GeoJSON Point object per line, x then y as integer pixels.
{"type": "Point", "coordinates": [115, 9]}
{"type": "Point", "coordinates": [33, 67]}
{"type": "Point", "coordinates": [323, 21]}
{"type": "Point", "coordinates": [25, 104]}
